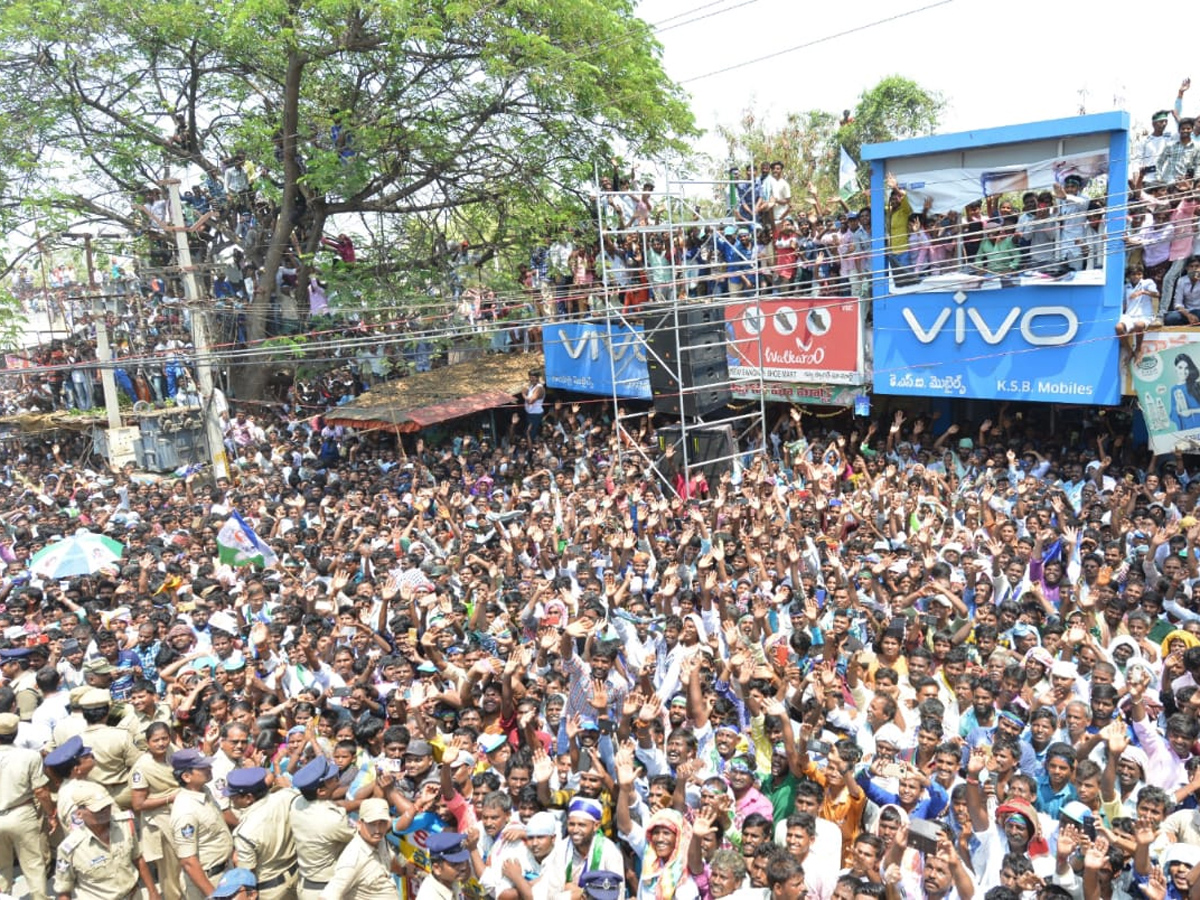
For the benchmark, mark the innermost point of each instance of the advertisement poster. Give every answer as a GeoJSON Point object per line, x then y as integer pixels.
{"type": "Point", "coordinates": [589, 358]}
{"type": "Point", "coordinates": [954, 187]}
{"type": "Point", "coordinates": [813, 340]}
{"type": "Point", "coordinates": [1016, 344]}
{"type": "Point", "coordinates": [1167, 385]}
{"type": "Point", "coordinates": [803, 394]}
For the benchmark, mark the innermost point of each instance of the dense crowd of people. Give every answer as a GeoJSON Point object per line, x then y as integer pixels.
{"type": "Point", "coordinates": [895, 658]}
{"type": "Point", "coordinates": [919, 660]}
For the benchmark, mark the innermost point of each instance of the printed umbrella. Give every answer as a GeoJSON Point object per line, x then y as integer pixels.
{"type": "Point", "coordinates": [79, 554]}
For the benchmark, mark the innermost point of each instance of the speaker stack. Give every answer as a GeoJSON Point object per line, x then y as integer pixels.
{"type": "Point", "coordinates": [710, 448]}
{"type": "Point", "coordinates": [694, 353]}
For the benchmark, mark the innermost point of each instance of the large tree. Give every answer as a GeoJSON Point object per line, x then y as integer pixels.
{"type": "Point", "coordinates": [808, 143]}
{"type": "Point", "coordinates": [471, 119]}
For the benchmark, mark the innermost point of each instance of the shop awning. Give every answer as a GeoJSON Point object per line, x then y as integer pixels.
{"type": "Point", "coordinates": [463, 406]}
{"type": "Point", "coordinates": [427, 398]}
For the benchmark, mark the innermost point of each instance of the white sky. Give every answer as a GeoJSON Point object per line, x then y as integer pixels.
{"type": "Point", "coordinates": [1045, 52]}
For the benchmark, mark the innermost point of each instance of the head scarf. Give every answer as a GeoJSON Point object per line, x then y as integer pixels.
{"type": "Point", "coordinates": [586, 806]}
{"type": "Point", "coordinates": [1137, 756]}
{"type": "Point", "coordinates": [1189, 640]}
{"type": "Point", "coordinates": [1019, 807]}
{"type": "Point", "coordinates": [1041, 656]}
{"type": "Point", "coordinates": [666, 874]}
{"type": "Point", "coordinates": [1123, 640]}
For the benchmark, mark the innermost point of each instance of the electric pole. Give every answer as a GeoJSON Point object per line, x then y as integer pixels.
{"type": "Point", "coordinates": [191, 293]}
{"type": "Point", "coordinates": [108, 380]}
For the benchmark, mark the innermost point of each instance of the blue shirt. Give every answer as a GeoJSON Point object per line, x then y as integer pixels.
{"type": "Point", "coordinates": [933, 801]}
{"type": "Point", "coordinates": [1050, 801]}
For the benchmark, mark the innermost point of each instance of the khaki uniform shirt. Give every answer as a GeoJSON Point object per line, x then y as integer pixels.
{"type": "Point", "coordinates": [198, 829]}
{"type": "Point", "coordinates": [114, 752]}
{"type": "Point", "coordinates": [20, 774]}
{"type": "Point", "coordinates": [222, 766]}
{"type": "Point", "coordinates": [67, 803]}
{"type": "Point", "coordinates": [363, 872]}
{"type": "Point", "coordinates": [263, 839]}
{"type": "Point", "coordinates": [89, 869]}
{"type": "Point", "coordinates": [158, 780]}
{"type": "Point", "coordinates": [139, 722]}
{"type": "Point", "coordinates": [432, 889]}
{"type": "Point", "coordinates": [321, 830]}
{"type": "Point", "coordinates": [28, 695]}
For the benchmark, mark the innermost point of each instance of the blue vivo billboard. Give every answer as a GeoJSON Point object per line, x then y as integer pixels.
{"type": "Point", "coordinates": [998, 269]}
{"type": "Point", "coordinates": [590, 358]}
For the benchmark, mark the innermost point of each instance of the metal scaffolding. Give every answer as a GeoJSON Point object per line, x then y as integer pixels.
{"type": "Point", "coordinates": [678, 210]}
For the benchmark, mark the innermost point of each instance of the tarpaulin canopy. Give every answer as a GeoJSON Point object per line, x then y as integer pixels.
{"type": "Point", "coordinates": [426, 398]}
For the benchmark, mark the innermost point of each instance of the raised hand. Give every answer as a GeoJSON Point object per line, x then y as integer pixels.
{"type": "Point", "coordinates": [1116, 736]}
{"type": "Point", "coordinates": [1096, 854]}
{"type": "Point", "coordinates": [624, 763]}
{"type": "Point", "coordinates": [599, 698]}
{"type": "Point", "coordinates": [543, 766]}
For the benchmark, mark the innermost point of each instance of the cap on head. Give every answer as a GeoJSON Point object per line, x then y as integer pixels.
{"type": "Point", "coordinates": [98, 666]}
{"type": "Point", "coordinates": [374, 809]}
{"type": "Point", "coordinates": [1076, 812]}
{"type": "Point", "coordinates": [190, 760]}
{"type": "Point", "coordinates": [249, 780]}
{"type": "Point", "coordinates": [542, 824]}
{"type": "Point", "coordinates": [448, 846]}
{"type": "Point", "coordinates": [9, 723]}
{"type": "Point", "coordinates": [91, 796]}
{"type": "Point", "coordinates": [69, 751]}
{"type": "Point", "coordinates": [419, 748]}
{"type": "Point", "coordinates": [489, 743]}
{"type": "Point", "coordinates": [600, 884]}
{"type": "Point", "coordinates": [315, 773]}
{"type": "Point", "coordinates": [233, 881]}
{"type": "Point", "coordinates": [95, 698]}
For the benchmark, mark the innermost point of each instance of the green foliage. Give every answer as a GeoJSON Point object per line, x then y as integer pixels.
{"type": "Point", "coordinates": [468, 119]}
{"type": "Point", "coordinates": [286, 347]}
{"type": "Point", "coordinates": [13, 321]}
{"type": "Point", "coordinates": [892, 110]}
{"type": "Point", "coordinates": [808, 143]}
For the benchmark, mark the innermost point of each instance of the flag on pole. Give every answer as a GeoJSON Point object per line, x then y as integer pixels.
{"type": "Point", "coordinates": [238, 545]}
{"type": "Point", "coordinates": [847, 176]}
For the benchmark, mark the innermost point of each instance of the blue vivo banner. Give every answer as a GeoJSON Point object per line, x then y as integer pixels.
{"type": "Point", "coordinates": [589, 358]}
{"type": "Point", "coordinates": [1051, 343]}
{"type": "Point", "coordinates": [977, 300]}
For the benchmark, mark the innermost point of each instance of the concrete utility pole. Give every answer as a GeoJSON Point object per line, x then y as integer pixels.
{"type": "Point", "coordinates": [191, 293]}
{"type": "Point", "coordinates": [103, 352]}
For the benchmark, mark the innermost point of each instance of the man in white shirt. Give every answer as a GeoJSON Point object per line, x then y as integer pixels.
{"type": "Point", "coordinates": [776, 196]}
{"type": "Point", "coordinates": [512, 873]}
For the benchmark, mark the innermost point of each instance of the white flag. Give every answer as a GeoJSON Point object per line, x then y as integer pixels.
{"type": "Point", "coordinates": [847, 175]}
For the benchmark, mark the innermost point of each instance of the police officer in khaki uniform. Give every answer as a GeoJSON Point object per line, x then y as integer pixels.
{"type": "Point", "coordinates": [230, 755]}
{"type": "Point", "coordinates": [25, 804]}
{"type": "Point", "coordinates": [449, 866]}
{"type": "Point", "coordinates": [262, 841]}
{"type": "Point", "coordinates": [113, 748]}
{"type": "Point", "coordinates": [364, 869]}
{"type": "Point", "coordinates": [102, 859]}
{"type": "Point", "coordinates": [320, 827]}
{"type": "Point", "coordinates": [14, 666]}
{"type": "Point", "coordinates": [70, 764]}
{"type": "Point", "coordinates": [145, 709]}
{"type": "Point", "coordinates": [198, 830]}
